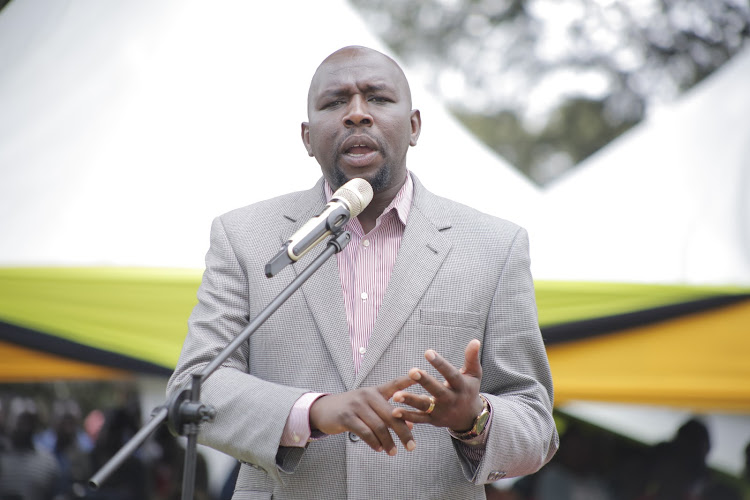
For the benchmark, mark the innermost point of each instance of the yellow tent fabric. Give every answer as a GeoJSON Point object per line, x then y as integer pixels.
{"type": "Point", "coordinates": [699, 362]}
{"type": "Point", "coordinates": [29, 365]}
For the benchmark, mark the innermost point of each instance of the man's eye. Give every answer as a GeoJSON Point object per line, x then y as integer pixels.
{"type": "Point", "coordinates": [333, 104]}
{"type": "Point", "coordinates": [376, 98]}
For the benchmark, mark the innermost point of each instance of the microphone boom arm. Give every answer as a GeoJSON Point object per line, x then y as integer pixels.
{"type": "Point", "coordinates": [183, 411]}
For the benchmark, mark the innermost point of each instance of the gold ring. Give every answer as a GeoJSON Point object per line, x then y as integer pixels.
{"type": "Point", "coordinates": [432, 405]}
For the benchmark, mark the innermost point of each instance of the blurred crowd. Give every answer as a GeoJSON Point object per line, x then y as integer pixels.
{"type": "Point", "coordinates": [592, 466]}
{"type": "Point", "coordinates": [51, 453]}
{"type": "Point", "coordinates": [56, 460]}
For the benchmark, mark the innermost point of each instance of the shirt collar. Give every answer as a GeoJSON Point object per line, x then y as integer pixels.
{"type": "Point", "coordinates": [401, 203]}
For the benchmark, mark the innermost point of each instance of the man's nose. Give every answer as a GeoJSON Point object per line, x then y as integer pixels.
{"type": "Point", "coordinates": [357, 114]}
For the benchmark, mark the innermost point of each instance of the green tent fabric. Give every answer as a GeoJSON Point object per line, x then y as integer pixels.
{"type": "Point", "coordinates": [135, 319]}
{"type": "Point", "coordinates": [129, 318]}
{"type": "Point", "coordinates": [562, 302]}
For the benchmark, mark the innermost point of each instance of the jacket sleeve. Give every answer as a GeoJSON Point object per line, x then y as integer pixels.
{"type": "Point", "coordinates": [516, 379]}
{"type": "Point", "coordinates": [251, 412]}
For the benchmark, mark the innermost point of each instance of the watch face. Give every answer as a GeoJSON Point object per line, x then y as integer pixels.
{"type": "Point", "coordinates": [481, 422]}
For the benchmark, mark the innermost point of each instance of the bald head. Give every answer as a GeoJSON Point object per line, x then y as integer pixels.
{"type": "Point", "coordinates": [356, 58]}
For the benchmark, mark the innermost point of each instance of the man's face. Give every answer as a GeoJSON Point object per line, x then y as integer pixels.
{"type": "Point", "coordinates": [360, 119]}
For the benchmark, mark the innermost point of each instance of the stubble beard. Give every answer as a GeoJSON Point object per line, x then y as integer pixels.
{"type": "Point", "coordinates": [379, 181]}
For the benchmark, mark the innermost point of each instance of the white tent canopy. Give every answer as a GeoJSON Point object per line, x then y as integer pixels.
{"type": "Point", "coordinates": [668, 202]}
{"type": "Point", "coordinates": [127, 126]}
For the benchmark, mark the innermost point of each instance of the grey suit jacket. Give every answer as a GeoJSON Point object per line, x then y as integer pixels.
{"type": "Point", "coordinates": [460, 274]}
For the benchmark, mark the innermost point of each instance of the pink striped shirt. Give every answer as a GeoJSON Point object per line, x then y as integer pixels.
{"type": "Point", "coordinates": [365, 267]}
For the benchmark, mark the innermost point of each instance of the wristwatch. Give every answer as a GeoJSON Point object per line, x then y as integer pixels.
{"type": "Point", "coordinates": [480, 423]}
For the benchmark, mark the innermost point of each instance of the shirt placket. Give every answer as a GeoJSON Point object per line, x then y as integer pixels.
{"type": "Point", "coordinates": [365, 304]}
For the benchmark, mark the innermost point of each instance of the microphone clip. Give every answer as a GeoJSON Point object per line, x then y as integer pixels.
{"type": "Point", "coordinates": [296, 247]}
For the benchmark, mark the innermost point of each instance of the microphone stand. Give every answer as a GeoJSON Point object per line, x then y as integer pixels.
{"type": "Point", "coordinates": [183, 411]}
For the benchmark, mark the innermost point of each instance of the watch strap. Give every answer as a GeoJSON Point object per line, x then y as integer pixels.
{"type": "Point", "coordinates": [479, 425]}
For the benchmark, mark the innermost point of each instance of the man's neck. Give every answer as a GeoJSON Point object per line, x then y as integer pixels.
{"type": "Point", "coordinates": [380, 202]}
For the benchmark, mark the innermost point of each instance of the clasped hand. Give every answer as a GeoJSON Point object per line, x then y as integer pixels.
{"type": "Point", "coordinates": [367, 412]}
{"type": "Point", "coordinates": [456, 399]}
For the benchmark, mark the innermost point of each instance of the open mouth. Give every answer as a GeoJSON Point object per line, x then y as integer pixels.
{"type": "Point", "coordinates": [359, 150]}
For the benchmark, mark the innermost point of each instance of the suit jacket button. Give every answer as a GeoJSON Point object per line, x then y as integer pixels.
{"type": "Point", "coordinates": [353, 437]}
{"type": "Point", "coordinates": [495, 475]}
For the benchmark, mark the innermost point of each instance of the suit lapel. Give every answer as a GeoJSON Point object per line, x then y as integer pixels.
{"type": "Point", "coordinates": [322, 290]}
{"type": "Point", "coordinates": [423, 250]}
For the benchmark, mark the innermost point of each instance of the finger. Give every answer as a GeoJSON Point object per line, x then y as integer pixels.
{"type": "Point", "coordinates": [368, 437]}
{"type": "Point", "coordinates": [452, 375]}
{"type": "Point", "coordinates": [399, 384]}
{"type": "Point", "coordinates": [472, 365]}
{"type": "Point", "coordinates": [419, 402]}
{"type": "Point", "coordinates": [418, 417]}
{"type": "Point", "coordinates": [403, 431]}
{"type": "Point", "coordinates": [377, 433]}
{"type": "Point", "coordinates": [430, 383]}
{"type": "Point", "coordinates": [400, 428]}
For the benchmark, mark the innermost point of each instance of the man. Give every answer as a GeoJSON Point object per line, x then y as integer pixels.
{"type": "Point", "coordinates": [352, 388]}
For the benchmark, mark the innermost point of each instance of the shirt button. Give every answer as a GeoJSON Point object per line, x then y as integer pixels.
{"type": "Point", "coordinates": [353, 437]}
{"type": "Point", "coordinates": [365, 243]}
{"type": "Point", "coordinates": [364, 295]}
{"type": "Point", "coordinates": [362, 350]}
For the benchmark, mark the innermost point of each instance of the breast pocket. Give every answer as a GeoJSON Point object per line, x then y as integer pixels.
{"type": "Point", "coordinates": [450, 319]}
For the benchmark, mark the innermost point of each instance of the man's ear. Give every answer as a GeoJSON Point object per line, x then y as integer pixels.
{"type": "Point", "coordinates": [306, 138]}
{"type": "Point", "coordinates": [416, 126]}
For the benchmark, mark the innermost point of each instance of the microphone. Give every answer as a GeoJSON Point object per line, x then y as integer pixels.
{"type": "Point", "coordinates": [348, 201]}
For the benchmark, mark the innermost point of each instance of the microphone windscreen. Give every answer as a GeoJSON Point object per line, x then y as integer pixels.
{"type": "Point", "coordinates": [357, 193]}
